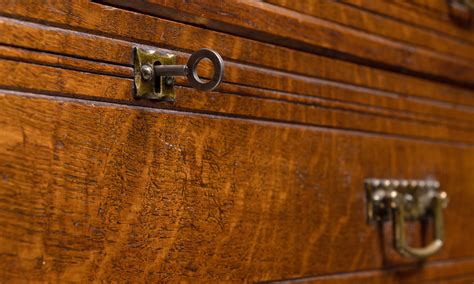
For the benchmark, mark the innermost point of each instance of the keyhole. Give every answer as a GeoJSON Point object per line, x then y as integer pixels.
{"type": "Point", "coordinates": [157, 79]}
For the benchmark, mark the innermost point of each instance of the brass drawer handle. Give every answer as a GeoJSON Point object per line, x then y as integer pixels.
{"type": "Point", "coordinates": [155, 72]}
{"type": "Point", "coordinates": [399, 222]}
{"type": "Point", "coordinates": [404, 200]}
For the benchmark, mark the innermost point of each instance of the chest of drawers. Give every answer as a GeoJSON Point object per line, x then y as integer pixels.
{"type": "Point", "coordinates": [262, 179]}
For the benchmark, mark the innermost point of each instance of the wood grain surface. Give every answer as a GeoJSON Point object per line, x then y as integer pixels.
{"type": "Point", "coordinates": [269, 23]}
{"type": "Point", "coordinates": [436, 8]}
{"type": "Point", "coordinates": [452, 271]}
{"type": "Point", "coordinates": [392, 91]}
{"type": "Point", "coordinates": [63, 82]}
{"type": "Point", "coordinates": [445, 26]}
{"type": "Point", "coordinates": [95, 191]}
{"type": "Point", "coordinates": [379, 25]}
{"type": "Point", "coordinates": [144, 29]}
{"type": "Point", "coordinates": [259, 180]}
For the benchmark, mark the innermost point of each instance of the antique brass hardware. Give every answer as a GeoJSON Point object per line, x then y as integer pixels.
{"type": "Point", "coordinates": [155, 72]}
{"type": "Point", "coordinates": [407, 200]}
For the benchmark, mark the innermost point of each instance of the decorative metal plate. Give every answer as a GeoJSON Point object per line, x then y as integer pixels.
{"type": "Point", "coordinates": [145, 83]}
{"type": "Point", "coordinates": [417, 197]}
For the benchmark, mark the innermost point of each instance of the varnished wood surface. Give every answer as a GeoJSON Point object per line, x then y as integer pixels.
{"type": "Point", "coordinates": [445, 25]}
{"type": "Point", "coordinates": [398, 92]}
{"type": "Point", "coordinates": [260, 180]}
{"type": "Point", "coordinates": [58, 81]}
{"type": "Point", "coordinates": [144, 29]}
{"type": "Point", "coordinates": [452, 271]}
{"type": "Point", "coordinates": [379, 25]}
{"type": "Point", "coordinates": [264, 22]}
{"type": "Point", "coordinates": [94, 191]}
{"type": "Point", "coordinates": [436, 8]}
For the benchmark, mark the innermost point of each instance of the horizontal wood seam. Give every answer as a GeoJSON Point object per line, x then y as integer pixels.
{"type": "Point", "coordinates": [94, 32]}
{"type": "Point", "coordinates": [343, 84]}
{"type": "Point", "coordinates": [427, 10]}
{"type": "Point", "coordinates": [370, 111]}
{"type": "Point", "coordinates": [368, 107]}
{"type": "Point", "coordinates": [295, 44]}
{"type": "Point", "coordinates": [401, 40]}
{"type": "Point", "coordinates": [312, 98]}
{"type": "Point", "coordinates": [56, 96]}
{"type": "Point", "coordinates": [315, 103]}
{"type": "Point", "coordinates": [439, 32]}
{"type": "Point", "coordinates": [369, 271]}
{"type": "Point", "coordinates": [283, 72]}
{"type": "Point", "coordinates": [467, 277]}
{"type": "Point", "coordinates": [65, 66]}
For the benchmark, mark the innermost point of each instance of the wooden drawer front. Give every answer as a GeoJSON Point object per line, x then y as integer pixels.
{"type": "Point", "coordinates": [419, 22]}
{"type": "Point", "coordinates": [261, 179]}
{"type": "Point", "coordinates": [98, 191]}
{"type": "Point", "coordinates": [399, 47]}
{"type": "Point", "coordinates": [439, 16]}
{"type": "Point", "coordinates": [155, 31]}
{"type": "Point", "coordinates": [373, 102]}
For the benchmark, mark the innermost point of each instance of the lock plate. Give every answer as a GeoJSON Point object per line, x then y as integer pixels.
{"type": "Point", "coordinates": [147, 85]}
{"type": "Point", "coordinates": [417, 196]}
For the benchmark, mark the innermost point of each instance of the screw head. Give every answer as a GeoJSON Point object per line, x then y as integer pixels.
{"type": "Point", "coordinates": [169, 80]}
{"type": "Point", "coordinates": [147, 72]}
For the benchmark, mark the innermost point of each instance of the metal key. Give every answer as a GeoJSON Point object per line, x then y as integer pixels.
{"type": "Point", "coordinates": [190, 69]}
{"type": "Point", "coordinates": [155, 72]}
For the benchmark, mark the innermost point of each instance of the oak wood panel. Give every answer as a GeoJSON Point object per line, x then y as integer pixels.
{"type": "Point", "coordinates": [107, 69]}
{"type": "Point", "coordinates": [438, 8]}
{"type": "Point", "coordinates": [64, 61]}
{"type": "Point", "coordinates": [423, 8]}
{"type": "Point", "coordinates": [411, 16]}
{"type": "Point", "coordinates": [376, 24]}
{"type": "Point", "coordinates": [461, 280]}
{"type": "Point", "coordinates": [48, 59]}
{"type": "Point", "coordinates": [301, 111]}
{"type": "Point", "coordinates": [53, 39]}
{"type": "Point", "coordinates": [126, 191]}
{"type": "Point", "coordinates": [458, 271]}
{"type": "Point", "coordinates": [264, 22]}
{"type": "Point", "coordinates": [133, 27]}
{"type": "Point", "coordinates": [25, 76]}
{"type": "Point", "coordinates": [95, 191]}
{"type": "Point", "coordinates": [64, 42]}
